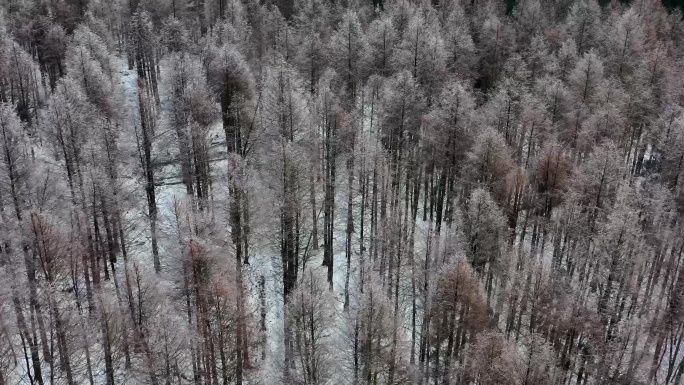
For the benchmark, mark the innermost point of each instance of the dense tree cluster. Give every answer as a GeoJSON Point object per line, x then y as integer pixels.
{"type": "Point", "coordinates": [341, 192]}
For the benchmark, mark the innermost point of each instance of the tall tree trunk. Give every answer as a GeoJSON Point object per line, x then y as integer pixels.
{"type": "Point", "coordinates": [350, 224]}
{"type": "Point", "coordinates": [147, 129]}
{"type": "Point", "coordinates": [329, 217]}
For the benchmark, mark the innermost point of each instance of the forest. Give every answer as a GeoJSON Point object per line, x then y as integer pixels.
{"type": "Point", "coordinates": [331, 192]}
